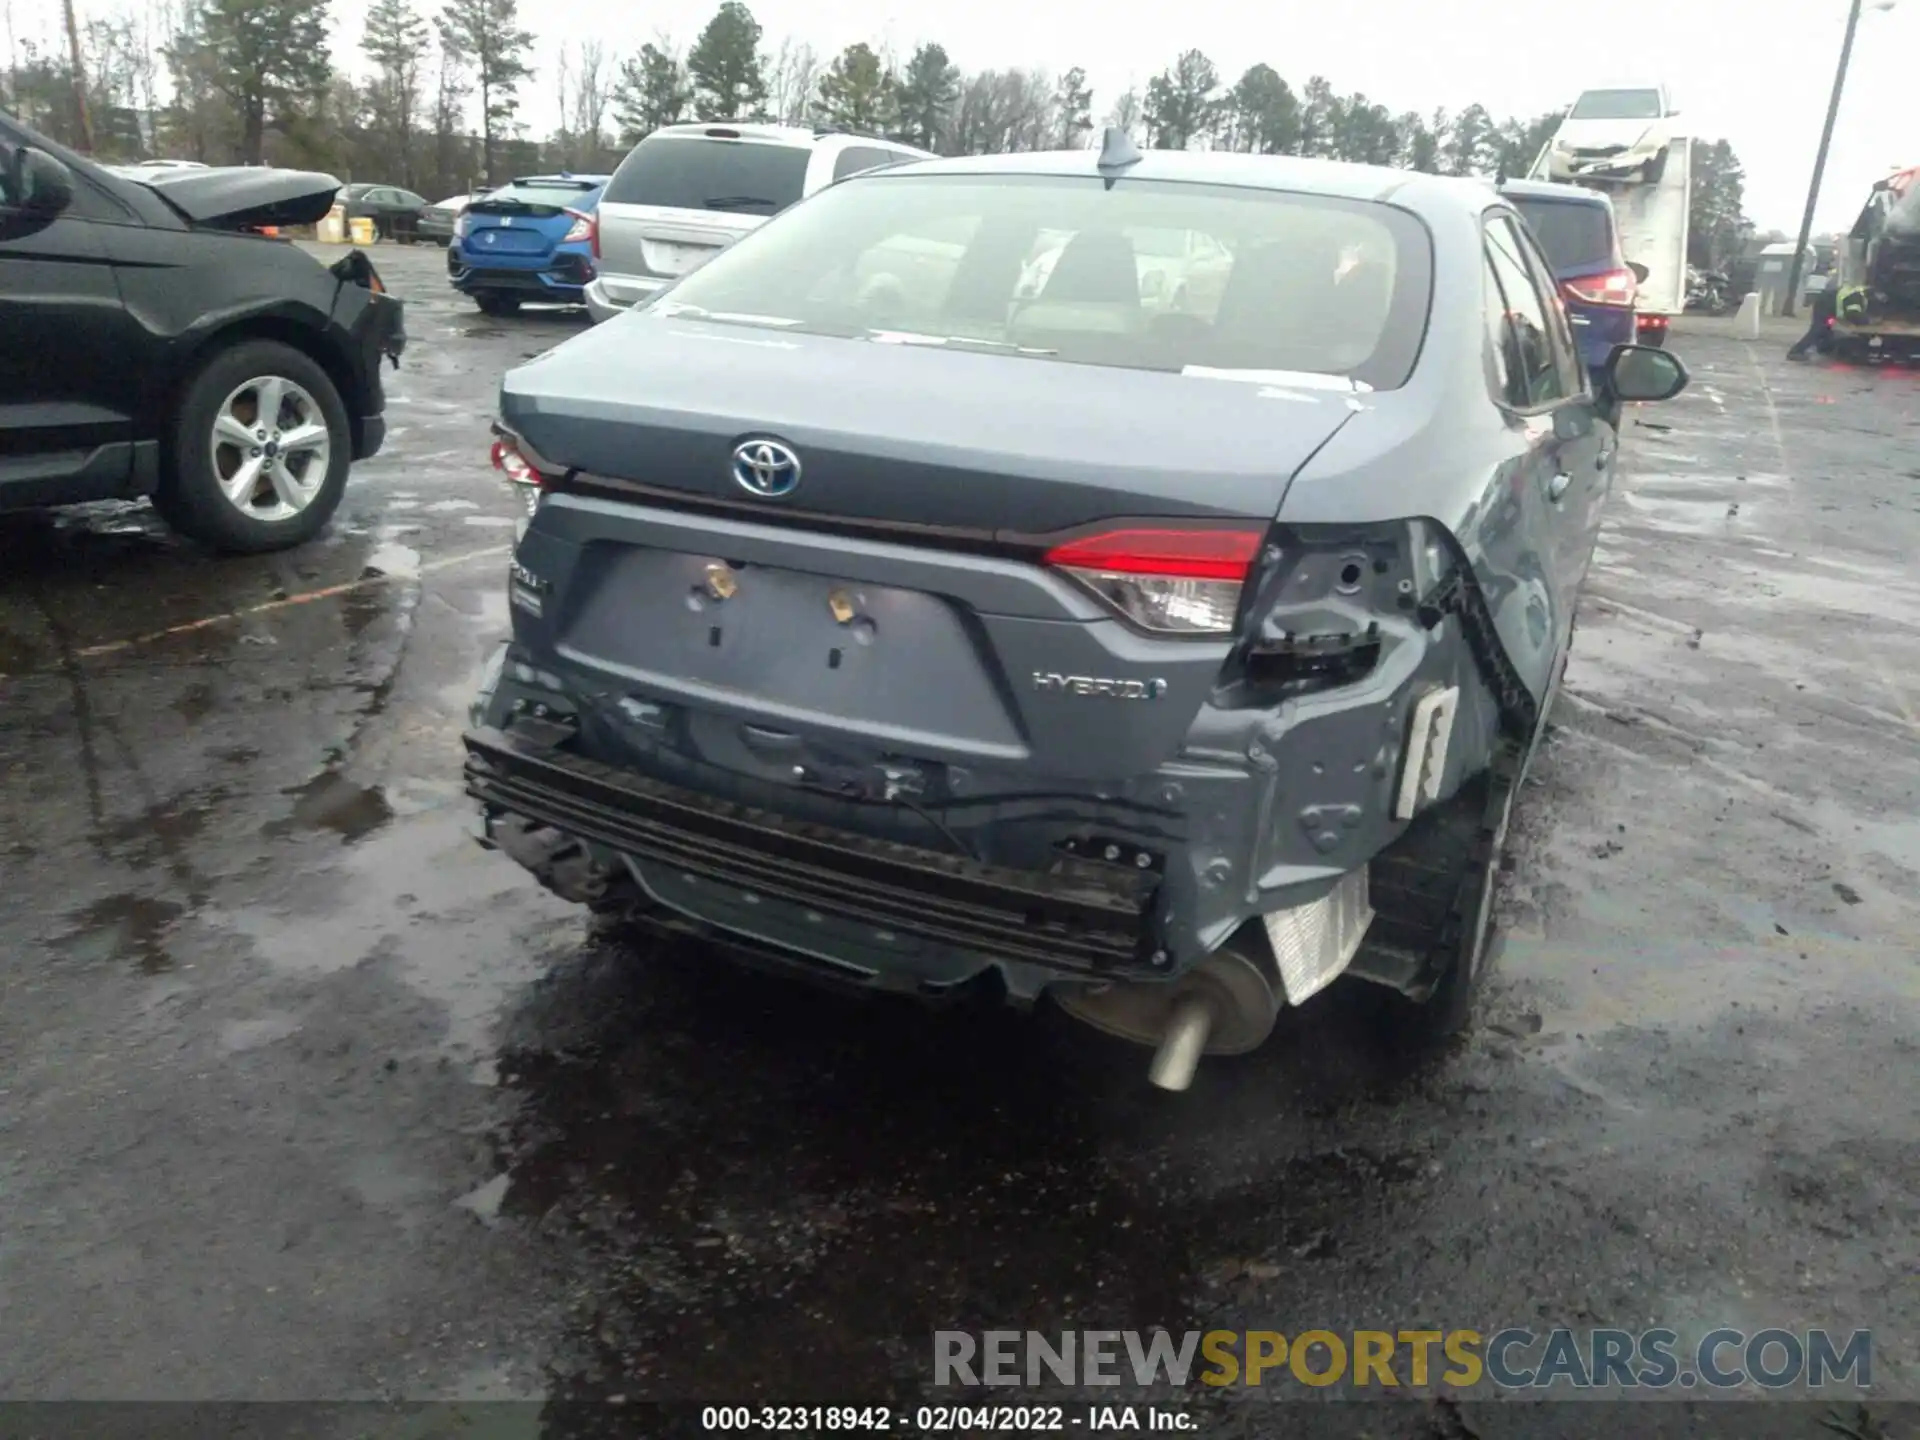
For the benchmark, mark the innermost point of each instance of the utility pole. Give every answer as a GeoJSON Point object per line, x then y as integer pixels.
{"type": "Point", "coordinates": [1820, 160]}
{"type": "Point", "coordinates": [80, 77]}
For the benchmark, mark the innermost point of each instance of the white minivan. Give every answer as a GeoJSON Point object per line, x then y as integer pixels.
{"type": "Point", "coordinates": [687, 191]}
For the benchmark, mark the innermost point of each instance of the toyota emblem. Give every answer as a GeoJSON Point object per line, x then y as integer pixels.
{"type": "Point", "coordinates": [765, 467]}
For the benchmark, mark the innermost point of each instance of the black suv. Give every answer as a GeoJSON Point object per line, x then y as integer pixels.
{"type": "Point", "coordinates": [156, 339]}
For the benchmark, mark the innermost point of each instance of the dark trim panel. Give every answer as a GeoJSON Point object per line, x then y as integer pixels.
{"type": "Point", "coordinates": [71, 477]}
{"type": "Point", "coordinates": [1079, 921]}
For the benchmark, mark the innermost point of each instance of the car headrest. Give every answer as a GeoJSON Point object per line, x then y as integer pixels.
{"type": "Point", "coordinates": [1096, 268]}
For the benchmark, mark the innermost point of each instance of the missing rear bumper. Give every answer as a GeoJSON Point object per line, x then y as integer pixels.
{"type": "Point", "coordinates": [1079, 919]}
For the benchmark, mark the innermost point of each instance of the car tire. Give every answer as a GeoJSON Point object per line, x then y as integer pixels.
{"type": "Point", "coordinates": [1468, 940]}
{"type": "Point", "coordinates": [193, 493]}
{"type": "Point", "coordinates": [1652, 339]}
{"type": "Point", "coordinates": [492, 302]}
{"type": "Point", "coordinates": [1656, 169]}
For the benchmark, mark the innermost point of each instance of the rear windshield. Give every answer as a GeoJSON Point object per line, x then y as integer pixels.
{"type": "Point", "coordinates": [1617, 105]}
{"type": "Point", "coordinates": [551, 197]}
{"type": "Point", "coordinates": [689, 172]}
{"type": "Point", "coordinates": [1146, 275]}
{"type": "Point", "coordinates": [1575, 237]}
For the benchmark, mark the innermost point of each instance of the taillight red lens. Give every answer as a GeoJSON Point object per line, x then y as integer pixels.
{"type": "Point", "coordinates": [512, 464]}
{"type": "Point", "coordinates": [1169, 580]}
{"type": "Point", "coordinates": [1616, 287]}
{"type": "Point", "coordinates": [593, 234]}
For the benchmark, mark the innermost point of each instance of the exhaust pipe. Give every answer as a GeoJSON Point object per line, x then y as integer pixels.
{"type": "Point", "coordinates": [1183, 1044]}
{"type": "Point", "coordinates": [1227, 1004]}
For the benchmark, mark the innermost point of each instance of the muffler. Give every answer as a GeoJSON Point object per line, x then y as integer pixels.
{"type": "Point", "coordinates": [1227, 1004]}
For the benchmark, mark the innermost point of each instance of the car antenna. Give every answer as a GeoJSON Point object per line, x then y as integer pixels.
{"type": "Point", "coordinates": [1117, 152]}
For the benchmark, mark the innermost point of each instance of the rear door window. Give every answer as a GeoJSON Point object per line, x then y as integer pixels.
{"type": "Point", "coordinates": [1537, 380]}
{"type": "Point", "coordinates": [856, 158]}
{"type": "Point", "coordinates": [1504, 376]}
{"type": "Point", "coordinates": [692, 172]}
{"type": "Point", "coordinates": [1577, 238]}
{"type": "Point", "coordinates": [1566, 355]}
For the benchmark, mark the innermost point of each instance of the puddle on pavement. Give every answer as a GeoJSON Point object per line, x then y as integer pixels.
{"type": "Point", "coordinates": [389, 557]}
{"type": "Point", "coordinates": [360, 608]}
{"type": "Point", "coordinates": [18, 655]}
{"type": "Point", "coordinates": [196, 702]}
{"type": "Point", "coordinates": [865, 1173]}
{"type": "Point", "coordinates": [330, 801]}
{"type": "Point", "coordinates": [134, 926]}
{"type": "Point", "coordinates": [161, 832]}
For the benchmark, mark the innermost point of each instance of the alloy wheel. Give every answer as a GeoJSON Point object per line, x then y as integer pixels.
{"type": "Point", "coordinates": [271, 448]}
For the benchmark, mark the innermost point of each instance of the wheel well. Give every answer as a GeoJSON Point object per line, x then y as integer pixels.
{"type": "Point", "coordinates": [289, 333]}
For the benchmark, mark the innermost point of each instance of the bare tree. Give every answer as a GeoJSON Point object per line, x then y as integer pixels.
{"type": "Point", "coordinates": [79, 78]}
{"type": "Point", "coordinates": [452, 86]}
{"type": "Point", "coordinates": [794, 77]}
{"type": "Point", "coordinates": [13, 52]}
{"type": "Point", "coordinates": [562, 77]}
{"type": "Point", "coordinates": [590, 99]}
{"type": "Point", "coordinates": [151, 39]}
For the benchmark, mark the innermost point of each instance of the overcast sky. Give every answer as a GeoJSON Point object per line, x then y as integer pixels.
{"type": "Point", "coordinates": [1748, 72]}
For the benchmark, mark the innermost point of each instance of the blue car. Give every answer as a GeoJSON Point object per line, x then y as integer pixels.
{"type": "Point", "coordinates": [532, 239]}
{"type": "Point", "coordinates": [1576, 231]}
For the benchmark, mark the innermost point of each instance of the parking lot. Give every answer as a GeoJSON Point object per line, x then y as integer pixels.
{"type": "Point", "coordinates": [309, 1097]}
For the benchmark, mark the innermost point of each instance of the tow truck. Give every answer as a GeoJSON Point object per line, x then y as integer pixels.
{"type": "Point", "coordinates": [1877, 276]}
{"type": "Point", "coordinates": [1620, 141]}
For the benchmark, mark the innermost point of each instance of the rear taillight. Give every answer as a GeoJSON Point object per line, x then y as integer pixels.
{"type": "Point", "coordinates": [1173, 581]}
{"type": "Point", "coordinates": [1651, 322]}
{"type": "Point", "coordinates": [508, 460]}
{"type": "Point", "coordinates": [520, 472]}
{"type": "Point", "coordinates": [582, 229]}
{"type": "Point", "coordinates": [1616, 287]}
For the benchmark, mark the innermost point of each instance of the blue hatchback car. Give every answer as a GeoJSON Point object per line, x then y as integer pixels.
{"type": "Point", "coordinates": [1576, 231]}
{"type": "Point", "coordinates": [532, 239]}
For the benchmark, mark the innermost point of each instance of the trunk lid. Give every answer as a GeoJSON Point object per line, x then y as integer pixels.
{"type": "Point", "coordinates": [931, 640]}
{"type": "Point", "coordinates": [684, 194]}
{"type": "Point", "coordinates": [245, 197]}
{"type": "Point", "coordinates": [515, 227]}
{"type": "Point", "coordinates": [665, 241]}
{"type": "Point", "coordinates": [915, 435]}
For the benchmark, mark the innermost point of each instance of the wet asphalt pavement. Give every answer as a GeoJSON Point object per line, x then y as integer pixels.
{"type": "Point", "coordinates": [306, 1096]}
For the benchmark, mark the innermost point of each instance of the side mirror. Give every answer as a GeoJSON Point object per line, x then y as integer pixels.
{"type": "Point", "coordinates": [1645, 374]}
{"type": "Point", "coordinates": [41, 185]}
{"type": "Point", "coordinates": [1640, 272]}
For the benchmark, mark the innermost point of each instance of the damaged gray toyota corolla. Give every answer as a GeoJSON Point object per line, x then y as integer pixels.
{"type": "Point", "coordinates": [1138, 579]}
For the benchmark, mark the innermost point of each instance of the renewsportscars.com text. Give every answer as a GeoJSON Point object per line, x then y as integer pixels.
{"type": "Point", "coordinates": [1514, 1359]}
